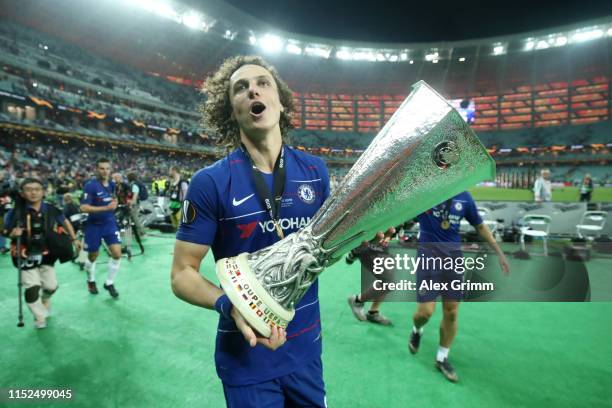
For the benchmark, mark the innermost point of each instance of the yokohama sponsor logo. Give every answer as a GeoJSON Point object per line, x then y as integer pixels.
{"type": "Point", "coordinates": [247, 229]}
{"type": "Point", "coordinates": [268, 226]}
{"type": "Point", "coordinates": [285, 223]}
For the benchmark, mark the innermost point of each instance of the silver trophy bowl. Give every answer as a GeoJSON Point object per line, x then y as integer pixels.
{"type": "Point", "coordinates": [424, 155]}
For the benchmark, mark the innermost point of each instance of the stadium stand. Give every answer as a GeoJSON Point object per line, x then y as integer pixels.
{"type": "Point", "coordinates": [49, 84]}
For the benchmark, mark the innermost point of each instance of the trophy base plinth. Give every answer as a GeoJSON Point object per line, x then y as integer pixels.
{"type": "Point", "coordinates": [245, 292]}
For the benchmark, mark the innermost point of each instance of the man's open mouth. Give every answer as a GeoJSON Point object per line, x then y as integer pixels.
{"type": "Point", "coordinates": [257, 108]}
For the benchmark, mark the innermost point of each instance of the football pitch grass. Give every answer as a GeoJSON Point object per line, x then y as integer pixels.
{"type": "Point", "coordinates": [149, 349]}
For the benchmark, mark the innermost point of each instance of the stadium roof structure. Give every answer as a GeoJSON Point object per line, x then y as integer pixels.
{"type": "Point", "coordinates": [170, 38]}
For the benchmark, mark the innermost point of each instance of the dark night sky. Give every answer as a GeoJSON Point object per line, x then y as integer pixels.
{"type": "Point", "coordinates": [422, 21]}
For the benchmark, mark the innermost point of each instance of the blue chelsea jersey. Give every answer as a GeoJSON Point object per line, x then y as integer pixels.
{"type": "Point", "coordinates": [461, 206]}
{"type": "Point", "coordinates": [99, 195]}
{"type": "Point", "coordinates": [222, 210]}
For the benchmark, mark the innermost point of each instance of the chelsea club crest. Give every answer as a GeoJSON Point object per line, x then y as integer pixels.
{"type": "Point", "coordinates": [306, 193]}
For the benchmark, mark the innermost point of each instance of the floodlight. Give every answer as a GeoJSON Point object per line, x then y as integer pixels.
{"type": "Point", "coordinates": [192, 20]}
{"type": "Point", "coordinates": [271, 43]}
{"type": "Point", "coordinates": [293, 48]}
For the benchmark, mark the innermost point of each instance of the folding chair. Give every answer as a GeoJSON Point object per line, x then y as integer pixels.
{"type": "Point", "coordinates": [536, 226]}
{"type": "Point", "coordinates": [591, 224]}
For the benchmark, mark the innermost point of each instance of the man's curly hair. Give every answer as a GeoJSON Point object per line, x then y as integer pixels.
{"type": "Point", "coordinates": [217, 109]}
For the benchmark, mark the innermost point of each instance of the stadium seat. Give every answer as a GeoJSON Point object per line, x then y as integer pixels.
{"type": "Point", "coordinates": [591, 224]}
{"type": "Point", "coordinates": [536, 226]}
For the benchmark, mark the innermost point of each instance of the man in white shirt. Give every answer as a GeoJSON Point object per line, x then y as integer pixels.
{"type": "Point", "coordinates": [542, 188]}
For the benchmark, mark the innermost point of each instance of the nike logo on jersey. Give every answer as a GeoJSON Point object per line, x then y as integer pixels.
{"type": "Point", "coordinates": [236, 203]}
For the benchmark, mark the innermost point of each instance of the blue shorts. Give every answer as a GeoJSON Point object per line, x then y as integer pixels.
{"type": "Point", "coordinates": [94, 233]}
{"type": "Point", "coordinates": [302, 388]}
{"type": "Point", "coordinates": [431, 284]}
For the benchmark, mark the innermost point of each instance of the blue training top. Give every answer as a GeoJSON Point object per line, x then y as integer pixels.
{"type": "Point", "coordinates": [222, 210]}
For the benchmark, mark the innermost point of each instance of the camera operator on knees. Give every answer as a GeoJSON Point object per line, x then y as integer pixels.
{"type": "Point", "coordinates": [41, 227]}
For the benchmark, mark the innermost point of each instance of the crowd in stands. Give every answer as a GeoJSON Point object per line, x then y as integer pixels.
{"type": "Point", "coordinates": [74, 163]}
{"type": "Point", "coordinates": [57, 92]}
{"type": "Point", "coordinates": [34, 48]}
{"type": "Point", "coordinates": [119, 103]}
{"type": "Point", "coordinates": [124, 101]}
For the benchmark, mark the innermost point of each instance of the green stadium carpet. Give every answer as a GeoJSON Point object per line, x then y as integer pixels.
{"type": "Point", "coordinates": [149, 349]}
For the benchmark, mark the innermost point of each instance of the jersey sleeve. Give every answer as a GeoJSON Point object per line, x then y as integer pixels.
{"type": "Point", "coordinates": [200, 211]}
{"type": "Point", "coordinates": [471, 211]}
{"type": "Point", "coordinates": [88, 194]}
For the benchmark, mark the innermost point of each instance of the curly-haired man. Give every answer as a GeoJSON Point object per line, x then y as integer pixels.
{"type": "Point", "coordinates": [249, 107]}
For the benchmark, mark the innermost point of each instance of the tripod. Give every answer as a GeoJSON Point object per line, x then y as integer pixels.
{"type": "Point", "coordinates": [129, 230]}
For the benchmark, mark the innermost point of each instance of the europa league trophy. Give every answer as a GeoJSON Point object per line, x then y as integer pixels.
{"type": "Point", "coordinates": [424, 155]}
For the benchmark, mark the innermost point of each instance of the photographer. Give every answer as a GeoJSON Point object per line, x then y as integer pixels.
{"type": "Point", "coordinates": [40, 226]}
{"type": "Point", "coordinates": [139, 193]}
{"type": "Point", "coordinates": [71, 211]}
{"type": "Point", "coordinates": [122, 190]}
{"type": "Point", "coordinates": [178, 191]}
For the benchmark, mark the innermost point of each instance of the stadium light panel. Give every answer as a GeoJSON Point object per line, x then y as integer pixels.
{"type": "Point", "coordinates": [609, 32]}
{"type": "Point", "coordinates": [435, 61]}
{"type": "Point", "coordinates": [462, 59]}
{"type": "Point", "coordinates": [271, 43]}
{"type": "Point", "coordinates": [498, 49]}
{"type": "Point", "coordinates": [529, 45]}
{"type": "Point", "coordinates": [587, 35]}
{"type": "Point", "coordinates": [403, 56]}
{"type": "Point", "coordinates": [364, 55]}
{"type": "Point", "coordinates": [293, 48]}
{"type": "Point", "coordinates": [560, 41]}
{"type": "Point", "coordinates": [317, 51]}
{"type": "Point", "coordinates": [411, 62]}
{"type": "Point", "coordinates": [542, 45]}
{"type": "Point", "coordinates": [393, 58]}
{"type": "Point", "coordinates": [229, 34]}
{"type": "Point", "coordinates": [343, 53]}
{"type": "Point", "coordinates": [380, 57]}
{"type": "Point", "coordinates": [431, 56]}
{"type": "Point", "coordinates": [192, 20]}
